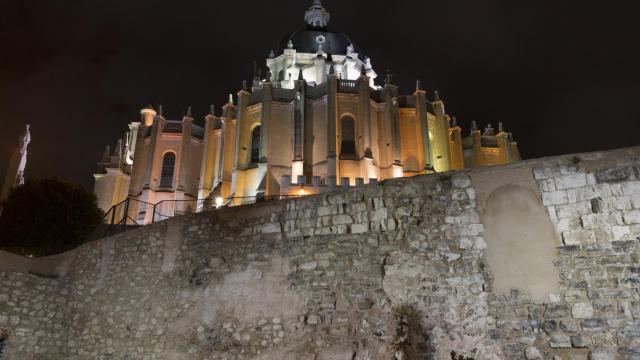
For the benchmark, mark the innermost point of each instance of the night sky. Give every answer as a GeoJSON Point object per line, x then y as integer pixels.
{"type": "Point", "coordinates": [562, 75]}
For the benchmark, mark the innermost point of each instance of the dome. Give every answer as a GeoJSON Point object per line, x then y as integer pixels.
{"type": "Point", "coordinates": [316, 37]}
{"type": "Point", "coordinates": [311, 40]}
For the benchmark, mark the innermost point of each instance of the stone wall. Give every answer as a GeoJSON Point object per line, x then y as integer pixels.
{"type": "Point", "coordinates": [535, 260]}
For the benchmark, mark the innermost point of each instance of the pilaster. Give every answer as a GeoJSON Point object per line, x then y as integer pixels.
{"type": "Point", "coordinates": [332, 123]}
{"type": "Point", "coordinates": [185, 153]}
{"type": "Point", "coordinates": [423, 121]}
{"type": "Point", "coordinates": [364, 108]}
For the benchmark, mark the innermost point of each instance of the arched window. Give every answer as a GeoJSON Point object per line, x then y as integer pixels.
{"type": "Point", "coordinates": [255, 145]}
{"type": "Point", "coordinates": [168, 168]}
{"type": "Point", "coordinates": [348, 136]}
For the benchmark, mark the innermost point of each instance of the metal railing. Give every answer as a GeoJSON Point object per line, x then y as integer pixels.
{"type": "Point", "coordinates": [133, 213]}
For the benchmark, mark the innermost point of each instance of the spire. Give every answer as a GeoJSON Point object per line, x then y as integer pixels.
{"type": "Point", "coordinates": [474, 126]}
{"type": "Point", "coordinates": [160, 113]}
{"type": "Point", "coordinates": [118, 149]}
{"type": "Point", "coordinates": [212, 109]}
{"type": "Point", "coordinates": [244, 85]}
{"type": "Point", "coordinates": [231, 99]}
{"type": "Point", "coordinates": [436, 95]}
{"type": "Point", "coordinates": [290, 44]}
{"type": "Point", "coordinates": [317, 16]}
{"type": "Point", "coordinates": [188, 111]}
{"type": "Point", "coordinates": [454, 122]}
{"type": "Point", "coordinates": [268, 77]}
{"type": "Point", "coordinates": [272, 54]}
{"type": "Point", "coordinates": [106, 155]}
{"type": "Point", "coordinates": [389, 78]}
{"type": "Point", "coordinates": [418, 85]}
{"type": "Point", "coordinates": [500, 127]}
{"type": "Point", "coordinates": [256, 76]}
{"type": "Point", "coordinates": [489, 131]}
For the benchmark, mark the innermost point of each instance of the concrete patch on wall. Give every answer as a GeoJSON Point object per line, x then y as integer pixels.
{"type": "Point", "coordinates": [521, 243]}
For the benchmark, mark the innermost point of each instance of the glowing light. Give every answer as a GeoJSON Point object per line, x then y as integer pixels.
{"type": "Point", "coordinates": [302, 192]}
{"type": "Point", "coordinates": [297, 169]}
{"type": "Point", "coordinates": [397, 171]}
{"type": "Point", "coordinates": [219, 201]}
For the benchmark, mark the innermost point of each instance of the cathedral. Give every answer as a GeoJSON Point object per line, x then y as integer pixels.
{"type": "Point", "coordinates": [318, 118]}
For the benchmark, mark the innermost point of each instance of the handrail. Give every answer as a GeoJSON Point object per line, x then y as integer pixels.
{"type": "Point", "coordinates": [133, 213]}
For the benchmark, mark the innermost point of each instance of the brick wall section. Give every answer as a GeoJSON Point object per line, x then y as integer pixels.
{"type": "Point", "coordinates": [390, 271]}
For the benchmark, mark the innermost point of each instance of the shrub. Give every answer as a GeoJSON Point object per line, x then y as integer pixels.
{"type": "Point", "coordinates": [46, 217]}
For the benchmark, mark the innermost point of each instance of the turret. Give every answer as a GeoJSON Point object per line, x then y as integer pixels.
{"type": "Point", "coordinates": [148, 114]}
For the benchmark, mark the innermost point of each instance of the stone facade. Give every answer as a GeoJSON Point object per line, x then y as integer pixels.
{"type": "Point", "coordinates": [410, 268]}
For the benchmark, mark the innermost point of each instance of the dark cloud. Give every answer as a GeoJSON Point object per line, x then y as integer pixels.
{"type": "Point", "coordinates": [562, 75]}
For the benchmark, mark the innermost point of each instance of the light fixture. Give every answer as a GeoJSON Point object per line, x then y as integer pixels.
{"type": "Point", "coordinates": [219, 201]}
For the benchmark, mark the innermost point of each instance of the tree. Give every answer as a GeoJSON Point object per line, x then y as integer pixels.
{"type": "Point", "coordinates": [46, 217]}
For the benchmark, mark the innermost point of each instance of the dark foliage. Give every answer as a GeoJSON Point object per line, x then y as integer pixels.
{"type": "Point", "coordinates": [46, 217]}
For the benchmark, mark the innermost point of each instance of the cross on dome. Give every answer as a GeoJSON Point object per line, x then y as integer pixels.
{"type": "Point", "coordinates": [317, 15]}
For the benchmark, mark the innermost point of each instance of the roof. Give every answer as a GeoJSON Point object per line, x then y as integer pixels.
{"type": "Point", "coordinates": [311, 39]}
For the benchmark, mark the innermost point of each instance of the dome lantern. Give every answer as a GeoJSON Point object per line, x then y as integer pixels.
{"type": "Point", "coordinates": [317, 16]}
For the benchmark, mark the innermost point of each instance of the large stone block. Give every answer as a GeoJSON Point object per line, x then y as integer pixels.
{"type": "Point", "coordinates": [532, 353]}
{"type": "Point", "coordinates": [582, 310]}
{"type": "Point", "coordinates": [632, 217]}
{"type": "Point", "coordinates": [574, 210]}
{"type": "Point", "coordinates": [272, 228]}
{"type": "Point", "coordinates": [546, 173]}
{"type": "Point", "coordinates": [378, 215]}
{"type": "Point", "coordinates": [578, 237]}
{"type": "Point", "coordinates": [631, 188]}
{"type": "Point", "coordinates": [560, 342]}
{"type": "Point", "coordinates": [617, 174]}
{"type": "Point", "coordinates": [580, 341]}
{"type": "Point", "coordinates": [593, 324]}
{"type": "Point", "coordinates": [602, 355]}
{"type": "Point", "coordinates": [606, 339]}
{"type": "Point", "coordinates": [555, 198]}
{"type": "Point", "coordinates": [554, 311]}
{"type": "Point", "coordinates": [571, 181]}
{"type": "Point", "coordinates": [461, 181]}
{"type": "Point", "coordinates": [342, 220]}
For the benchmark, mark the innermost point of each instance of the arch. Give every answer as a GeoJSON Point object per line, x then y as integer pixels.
{"type": "Point", "coordinates": [255, 144]}
{"type": "Point", "coordinates": [168, 170]}
{"type": "Point", "coordinates": [521, 243]}
{"type": "Point", "coordinates": [348, 137]}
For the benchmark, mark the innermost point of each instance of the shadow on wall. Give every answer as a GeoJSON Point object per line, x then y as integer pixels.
{"type": "Point", "coordinates": [521, 243]}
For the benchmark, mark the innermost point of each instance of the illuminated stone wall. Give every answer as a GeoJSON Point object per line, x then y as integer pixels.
{"type": "Point", "coordinates": [535, 260]}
